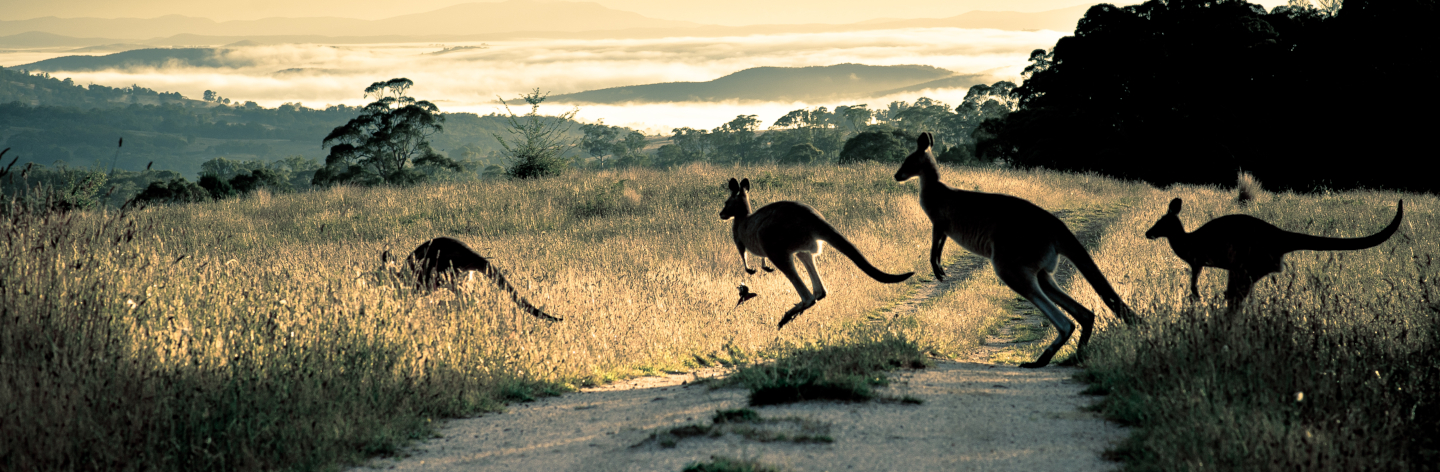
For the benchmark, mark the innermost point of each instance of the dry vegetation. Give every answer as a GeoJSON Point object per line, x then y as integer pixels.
{"type": "Point", "coordinates": [259, 332]}
{"type": "Point", "coordinates": [1330, 365]}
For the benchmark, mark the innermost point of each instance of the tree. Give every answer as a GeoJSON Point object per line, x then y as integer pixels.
{"type": "Point", "coordinates": [853, 118]}
{"type": "Point", "coordinates": [622, 145]}
{"type": "Point", "coordinates": [925, 115]}
{"type": "Point", "coordinates": [689, 145]}
{"type": "Point", "coordinates": [818, 128]}
{"type": "Point", "coordinates": [175, 190]}
{"type": "Point", "coordinates": [599, 140]}
{"type": "Point", "coordinates": [735, 141]}
{"type": "Point", "coordinates": [803, 153]}
{"type": "Point", "coordinates": [878, 145]}
{"type": "Point", "coordinates": [218, 188]}
{"type": "Point", "coordinates": [386, 141]}
{"type": "Point", "coordinates": [539, 141]}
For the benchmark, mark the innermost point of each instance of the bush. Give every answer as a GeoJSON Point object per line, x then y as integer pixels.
{"type": "Point", "coordinates": [802, 153]}
{"type": "Point", "coordinates": [879, 146]}
{"type": "Point", "coordinates": [176, 190]}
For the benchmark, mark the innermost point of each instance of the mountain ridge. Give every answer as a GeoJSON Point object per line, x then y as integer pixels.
{"type": "Point", "coordinates": [813, 83]}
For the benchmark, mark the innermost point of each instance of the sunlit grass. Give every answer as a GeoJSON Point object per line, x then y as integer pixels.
{"type": "Point", "coordinates": [1329, 365]}
{"type": "Point", "coordinates": [261, 333]}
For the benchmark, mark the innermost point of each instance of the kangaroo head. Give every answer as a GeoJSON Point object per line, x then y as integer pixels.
{"type": "Point", "coordinates": [1169, 225]}
{"type": "Point", "coordinates": [389, 264]}
{"type": "Point", "coordinates": [739, 202]}
{"type": "Point", "coordinates": [918, 162]}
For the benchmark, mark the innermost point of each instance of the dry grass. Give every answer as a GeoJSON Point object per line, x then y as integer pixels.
{"type": "Point", "coordinates": [1329, 365]}
{"type": "Point", "coordinates": [259, 333]}
{"type": "Point", "coordinates": [1248, 188]}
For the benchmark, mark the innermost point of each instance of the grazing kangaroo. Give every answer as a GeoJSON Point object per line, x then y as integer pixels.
{"type": "Point", "coordinates": [444, 258]}
{"type": "Point", "coordinates": [1020, 239]}
{"type": "Point", "coordinates": [1248, 247]}
{"type": "Point", "coordinates": [782, 229]}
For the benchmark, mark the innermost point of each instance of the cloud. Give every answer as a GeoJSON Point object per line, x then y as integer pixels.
{"type": "Point", "coordinates": [470, 79]}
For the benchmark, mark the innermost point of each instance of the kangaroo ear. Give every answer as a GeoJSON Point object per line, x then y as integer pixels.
{"type": "Point", "coordinates": [1174, 207]}
{"type": "Point", "coordinates": [385, 256]}
{"type": "Point", "coordinates": [734, 186]}
{"type": "Point", "coordinates": [924, 141]}
{"type": "Point", "coordinates": [745, 184]}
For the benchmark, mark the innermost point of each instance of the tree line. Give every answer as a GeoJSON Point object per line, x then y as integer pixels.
{"type": "Point", "coordinates": [1191, 91]}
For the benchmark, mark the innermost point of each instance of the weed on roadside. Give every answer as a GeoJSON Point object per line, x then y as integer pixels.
{"type": "Point", "coordinates": [846, 372]}
{"type": "Point", "coordinates": [729, 464]}
{"type": "Point", "coordinates": [748, 424]}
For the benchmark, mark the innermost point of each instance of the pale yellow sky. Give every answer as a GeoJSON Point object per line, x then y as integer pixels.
{"type": "Point", "coordinates": [729, 12]}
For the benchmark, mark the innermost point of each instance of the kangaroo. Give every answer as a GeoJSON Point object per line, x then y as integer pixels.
{"type": "Point", "coordinates": [782, 229]}
{"type": "Point", "coordinates": [1020, 239]}
{"type": "Point", "coordinates": [1248, 247]}
{"type": "Point", "coordinates": [442, 258]}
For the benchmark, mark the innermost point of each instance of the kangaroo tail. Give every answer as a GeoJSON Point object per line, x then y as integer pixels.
{"type": "Point", "coordinates": [499, 279]}
{"type": "Point", "coordinates": [1320, 243]}
{"type": "Point", "coordinates": [1072, 249]}
{"type": "Point", "coordinates": [830, 235]}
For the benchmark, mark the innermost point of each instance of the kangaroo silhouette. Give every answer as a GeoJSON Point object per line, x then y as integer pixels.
{"type": "Point", "coordinates": [1248, 247]}
{"type": "Point", "coordinates": [782, 229]}
{"type": "Point", "coordinates": [1021, 240]}
{"type": "Point", "coordinates": [442, 259]}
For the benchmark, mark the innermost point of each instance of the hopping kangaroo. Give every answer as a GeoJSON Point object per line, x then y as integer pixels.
{"type": "Point", "coordinates": [781, 229]}
{"type": "Point", "coordinates": [444, 258]}
{"type": "Point", "coordinates": [1248, 247]}
{"type": "Point", "coordinates": [1020, 239]}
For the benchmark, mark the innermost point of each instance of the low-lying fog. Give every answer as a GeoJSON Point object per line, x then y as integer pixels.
{"type": "Point", "coordinates": [468, 79]}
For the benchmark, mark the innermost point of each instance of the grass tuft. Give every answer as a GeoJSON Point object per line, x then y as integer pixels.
{"type": "Point", "coordinates": [748, 424]}
{"type": "Point", "coordinates": [1328, 366]}
{"type": "Point", "coordinates": [719, 463]}
{"type": "Point", "coordinates": [844, 372]}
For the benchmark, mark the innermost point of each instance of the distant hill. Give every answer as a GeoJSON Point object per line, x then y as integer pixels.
{"type": "Point", "coordinates": [952, 82]}
{"type": "Point", "coordinates": [464, 19]}
{"type": "Point", "coordinates": [37, 39]}
{"type": "Point", "coordinates": [141, 58]}
{"type": "Point", "coordinates": [770, 84]}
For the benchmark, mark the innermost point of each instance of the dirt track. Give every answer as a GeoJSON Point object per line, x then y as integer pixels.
{"type": "Point", "coordinates": [974, 416]}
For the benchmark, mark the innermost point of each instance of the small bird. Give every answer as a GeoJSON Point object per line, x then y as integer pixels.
{"type": "Point", "coordinates": [745, 294]}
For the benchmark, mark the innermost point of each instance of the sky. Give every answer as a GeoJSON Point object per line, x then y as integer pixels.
{"type": "Point", "coordinates": [729, 12]}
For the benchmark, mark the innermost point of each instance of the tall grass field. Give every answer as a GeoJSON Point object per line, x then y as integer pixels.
{"type": "Point", "coordinates": [264, 333]}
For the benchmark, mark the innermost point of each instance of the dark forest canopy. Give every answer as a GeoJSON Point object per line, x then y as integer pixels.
{"type": "Point", "coordinates": [1192, 91]}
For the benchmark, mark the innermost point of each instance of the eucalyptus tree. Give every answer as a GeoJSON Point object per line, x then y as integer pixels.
{"type": "Point", "coordinates": [386, 141]}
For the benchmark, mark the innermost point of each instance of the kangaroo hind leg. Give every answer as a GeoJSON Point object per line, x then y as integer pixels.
{"type": "Point", "coordinates": [809, 260]}
{"type": "Point", "coordinates": [1082, 315]}
{"type": "Point", "coordinates": [786, 265]}
{"type": "Point", "coordinates": [1026, 282]}
{"type": "Point", "coordinates": [1238, 288]}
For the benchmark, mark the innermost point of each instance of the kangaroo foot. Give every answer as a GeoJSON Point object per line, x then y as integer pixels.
{"type": "Point", "coordinates": [1043, 361]}
{"type": "Point", "coordinates": [793, 313]}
